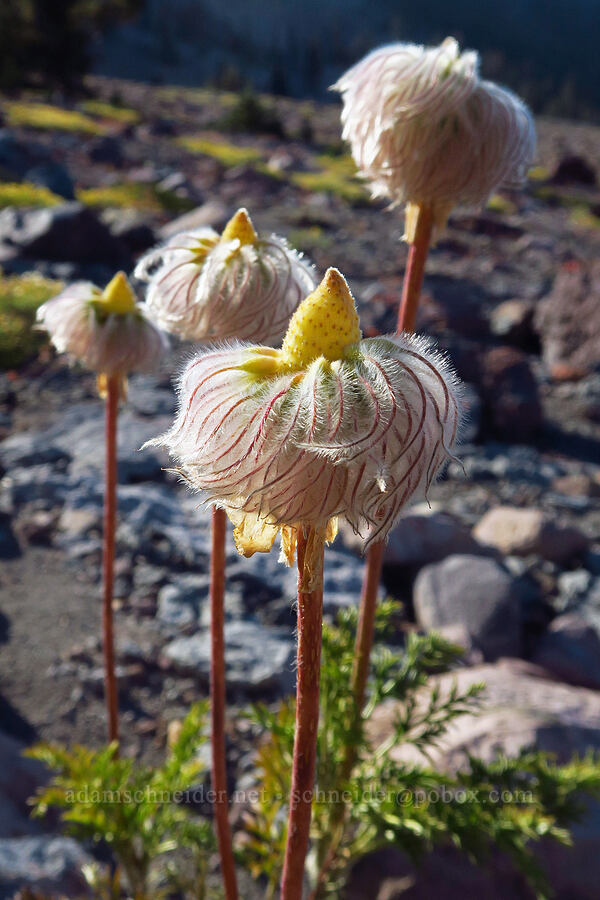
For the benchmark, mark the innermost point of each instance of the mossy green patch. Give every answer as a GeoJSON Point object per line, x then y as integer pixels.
{"type": "Point", "coordinates": [26, 194]}
{"type": "Point", "coordinates": [52, 118]}
{"type": "Point", "coordinates": [228, 154]}
{"type": "Point", "coordinates": [584, 217]}
{"type": "Point", "coordinates": [20, 296]}
{"type": "Point", "coordinates": [109, 111]}
{"type": "Point", "coordinates": [337, 176]}
{"type": "Point", "coordinates": [134, 195]}
{"type": "Point", "coordinates": [309, 239]}
{"type": "Point", "coordinates": [500, 204]}
{"type": "Point", "coordinates": [538, 173]}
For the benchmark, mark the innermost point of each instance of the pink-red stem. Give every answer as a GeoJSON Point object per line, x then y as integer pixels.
{"type": "Point", "coordinates": [407, 316]}
{"type": "Point", "coordinates": [310, 616]}
{"type": "Point", "coordinates": [108, 556]}
{"type": "Point", "coordinates": [217, 697]}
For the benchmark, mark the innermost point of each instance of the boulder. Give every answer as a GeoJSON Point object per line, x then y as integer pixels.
{"type": "Point", "coordinates": [212, 214]}
{"type": "Point", "coordinates": [476, 593]}
{"type": "Point", "coordinates": [180, 602]}
{"type": "Point", "coordinates": [520, 707]}
{"type": "Point", "coordinates": [69, 232]}
{"type": "Point", "coordinates": [427, 535]}
{"type": "Point", "coordinates": [512, 408]}
{"type": "Point", "coordinates": [512, 322]}
{"type": "Point", "coordinates": [19, 779]}
{"type": "Point", "coordinates": [570, 649]}
{"type": "Point", "coordinates": [574, 169]}
{"type": "Point", "coordinates": [258, 658]}
{"type": "Point", "coordinates": [521, 532]}
{"type": "Point", "coordinates": [53, 176]}
{"type": "Point", "coordinates": [567, 320]}
{"type": "Point", "coordinates": [48, 864]}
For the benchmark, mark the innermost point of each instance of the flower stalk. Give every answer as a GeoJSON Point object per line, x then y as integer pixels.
{"type": "Point", "coordinates": [310, 616]}
{"type": "Point", "coordinates": [217, 693]}
{"type": "Point", "coordinates": [112, 386]}
{"type": "Point", "coordinates": [420, 223]}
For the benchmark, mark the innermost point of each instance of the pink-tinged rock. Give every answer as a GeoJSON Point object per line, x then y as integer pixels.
{"type": "Point", "coordinates": [512, 408]}
{"type": "Point", "coordinates": [520, 708]}
{"type": "Point", "coordinates": [521, 532]}
{"type": "Point", "coordinates": [568, 321]}
{"type": "Point", "coordinates": [570, 649]}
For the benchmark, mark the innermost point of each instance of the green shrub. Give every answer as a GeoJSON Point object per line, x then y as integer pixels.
{"type": "Point", "coordinates": [135, 809]}
{"type": "Point", "coordinates": [365, 799]}
{"type": "Point", "coordinates": [20, 296]}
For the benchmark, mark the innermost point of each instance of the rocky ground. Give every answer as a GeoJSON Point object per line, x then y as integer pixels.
{"type": "Point", "coordinates": [506, 559]}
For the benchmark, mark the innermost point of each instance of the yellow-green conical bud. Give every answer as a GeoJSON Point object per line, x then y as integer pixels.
{"type": "Point", "coordinates": [117, 297]}
{"type": "Point", "coordinates": [240, 226]}
{"type": "Point", "coordinates": [325, 324]}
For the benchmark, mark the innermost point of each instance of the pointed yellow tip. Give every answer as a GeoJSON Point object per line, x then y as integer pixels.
{"type": "Point", "coordinates": [325, 324]}
{"type": "Point", "coordinates": [118, 297]}
{"type": "Point", "coordinates": [240, 226]}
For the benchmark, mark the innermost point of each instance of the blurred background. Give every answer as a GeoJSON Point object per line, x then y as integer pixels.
{"type": "Point", "coordinates": [124, 122]}
{"type": "Point", "coordinates": [546, 51]}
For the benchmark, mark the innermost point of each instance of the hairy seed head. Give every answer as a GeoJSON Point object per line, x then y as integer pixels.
{"type": "Point", "coordinates": [202, 286]}
{"type": "Point", "coordinates": [426, 130]}
{"type": "Point", "coordinates": [287, 438]}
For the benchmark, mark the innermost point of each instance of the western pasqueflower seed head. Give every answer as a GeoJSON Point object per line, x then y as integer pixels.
{"type": "Point", "coordinates": [239, 285]}
{"type": "Point", "coordinates": [329, 425]}
{"type": "Point", "coordinates": [425, 129]}
{"type": "Point", "coordinates": [106, 330]}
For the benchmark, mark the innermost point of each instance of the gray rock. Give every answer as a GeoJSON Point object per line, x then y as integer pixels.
{"type": "Point", "coordinates": [180, 603]}
{"type": "Point", "coordinates": [521, 532]}
{"type": "Point", "coordinates": [35, 483]}
{"type": "Point", "coordinates": [17, 156]}
{"type": "Point", "coordinates": [53, 176]}
{"type": "Point", "coordinates": [427, 535]}
{"type": "Point", "coordinates": [85, 442]}
{"type": "Point", "coordinates": [212, 214]}
{"type": "Point", "coordinates": [148, 399]}
{"type": "Point", "coordinates": [28, 448]}
{"type": "Point", "coordinates": [475, 592]}
{"type": "Point", "coordinates": [19, 779]}
{"type": "Point", "coordinates": [257, 657]}
{"type": "Point", "coordinates": [471, 425]}
{"type": "Point", "coordinates": [572, 588]}
{"type": "Point", "coordinates": [107, 149]}
{"type": "Point", "coordinates": [69, 232]}
{"type": "Point", "coordinates": [47, 863]}
{"type": "Point", "coordinates": [570, 649]}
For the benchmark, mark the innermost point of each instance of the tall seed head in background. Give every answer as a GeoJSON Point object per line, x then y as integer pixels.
{"type": "Point", "coordinates": [426, 130]}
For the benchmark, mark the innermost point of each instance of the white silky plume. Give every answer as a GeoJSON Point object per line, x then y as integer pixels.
{"type": "Point", "coordinates": [424, 128]}
{"type": "Point", "coordinates": [358, 437]}
{"type": "Point", "coordinates": [201, 287]}
{"type": "Point", "coordinates": [111, 344]}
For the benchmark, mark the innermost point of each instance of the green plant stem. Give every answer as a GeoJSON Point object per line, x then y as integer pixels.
{"type": "Point", "coordinates": [108, 555]}
{"type": "Point", "coordinates": [310, 618]}
{"type": "Point", "coordinates": [217, 697]}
